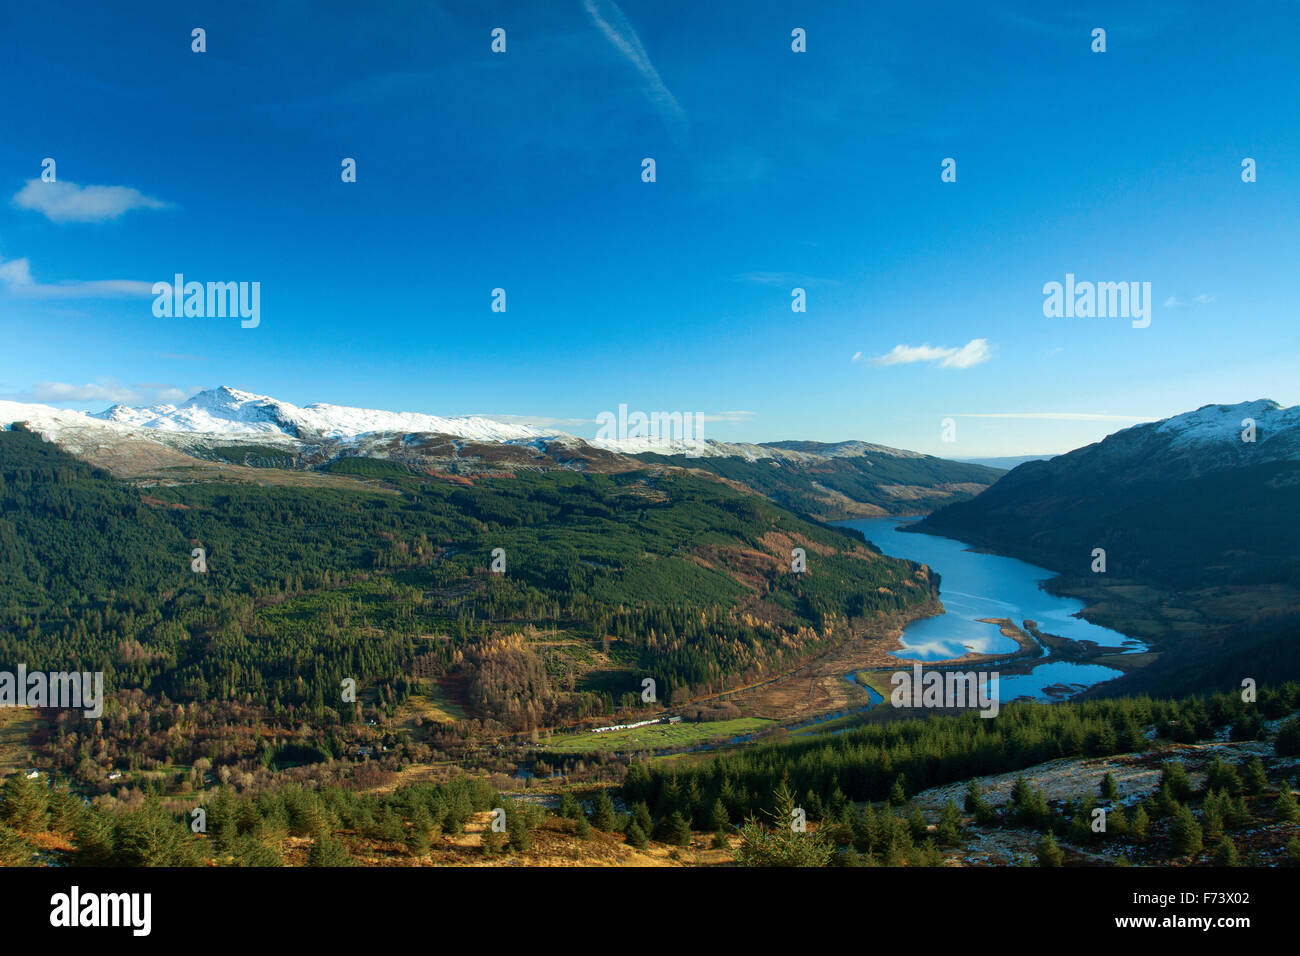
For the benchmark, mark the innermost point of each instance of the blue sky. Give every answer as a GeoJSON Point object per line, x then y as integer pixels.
{"type": "Point", "coordinates": [775, 170]}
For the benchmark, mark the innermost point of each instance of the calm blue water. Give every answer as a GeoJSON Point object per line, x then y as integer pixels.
{"type": "Point", "coordinates": [978, 585]}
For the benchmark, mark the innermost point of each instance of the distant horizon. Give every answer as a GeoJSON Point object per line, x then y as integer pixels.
{"type": "Point", "coordinates": [584, 430]}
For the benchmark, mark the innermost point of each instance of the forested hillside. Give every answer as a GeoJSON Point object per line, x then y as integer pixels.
{"type": "Point", "coordinates": [1205, 781]}
{"type": "Point", "coordinates": [819, 480]}
{"type": "Point", "coordinates": [384, 579]}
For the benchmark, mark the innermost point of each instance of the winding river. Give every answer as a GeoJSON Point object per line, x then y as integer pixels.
{"type": "Point", "coordinates": [975, 585]}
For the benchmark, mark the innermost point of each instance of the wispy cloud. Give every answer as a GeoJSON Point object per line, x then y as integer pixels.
{"type": "Point", "coordinates": [68, 202]}
{"type": "Point", "coordinates": [611, 21]}
{"type": "Point", "coordinates": [1173, 302]}
{"type": "Point", "coordinates": [16, 278]}
{"type": "Point", "coordinates": [105, 390]}
{"type": "Point", "coordinates": [728, 418]}
{"type": "Point", "coordinates": [1063, 416]}
{"type": "Point", "coordinates": [542, 421]}
{"type": "Point", "coordinates": [974, 352]}
{"type": "Point", "coordinates": [782, 279]}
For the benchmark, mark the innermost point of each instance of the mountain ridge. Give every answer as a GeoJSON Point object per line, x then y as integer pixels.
{"type": "Point", "coordinates": [1181, 500]}
{"type": "Point", "coordinates": [232, 426]}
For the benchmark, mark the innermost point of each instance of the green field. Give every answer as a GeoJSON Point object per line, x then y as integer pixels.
{"type": "Point", "coordinates": [654, 737]}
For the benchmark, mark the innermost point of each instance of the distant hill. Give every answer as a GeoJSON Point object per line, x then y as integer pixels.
{"type": "Point", "coordinates": [1005, 463]}
{"type": "Point", "coordinates": [1183, 501]}
{"type": "Point", "coordinates": [221, 428]}
{"type": "Point", "coordinates": [1200, 535]}
{"type": "Point", "coordinates": [846, 479]}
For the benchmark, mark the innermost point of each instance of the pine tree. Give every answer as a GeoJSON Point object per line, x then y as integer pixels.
{"type": "Point", "coordinates": [1287, 742]}
{"type": "Point", "coordinates": [24, 804]}
{"type": "Point", "coordinates": [916, 824]}
{"type": "Point", "coordinates": [1185, 833]}
{"type": "Point", "coordinates": [1049, 854]}
{"type": "Point", "coordinates": [1213, 817]}
{"type": "Point", "coordinates": [152, 837]}
{"type": "Point", "coordinates": [569, 808]}
{"type": "Point", "coordinates": [603, 816]}
{"type": "Point", "coordinates": [1238, 814]}
{"type": "Point", "coordinates": [1141, 825]}
{"type": "Point", "coordinates": [517, 829]}
{"type": "Point", "coordinates": [327, 851]}
{"type": "Point", "coordinates": [249, 851]}
{"type": "Point", "coordinates": [1286, 809]}
{"type": "Point", "coordinates": [1225, 853]}
{"type": "Point", "coordinates": [1222, 776]}
{"type": "Point", "coordinates": [1254, 779]}
{"type": "Point", "coordinates": [678, 831]}
{"type": "Point", "coordinates": [866, 829]}
{"type": "Point", "coordinates": [93, 840]}
{"type": "Point", "coordinates": [719, 819]}
{"type": "Point", "coordinates": [583, 828]}
{"type": "Point", "coordinates": [636, 836]}
{"type": "Point", "coordinates": [898, 792]}
{"type": "Point", "coordinates": [780, 844]}
{"type": "Point", "coordinates": [984, 813]}
{"type": "Point", "coordinates": [1117, 824]}
{"type": "Point", "coordinates": [1174, 775]}
{"type": "Point", "coordinates": [1019, 792]}
{"type": "Point", "coordinates": [14, 850]}
{"type": "Point", "coordinates": [641, 817]}
{"type": "Point", "coordinates": [1109, 788]}
{"type": "Point", "coordinates": [950, 825]}
{"type": "Point", "coordinates": [896, 840]}
{"type": "Point", "coordinates": [417, 841]}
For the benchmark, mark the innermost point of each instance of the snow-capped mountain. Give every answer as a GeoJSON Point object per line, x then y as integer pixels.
{"type": "Point", "coordinates": [1277, 429]}
{"type": "Point", "coordinates": [226, 427]}
{"type": "Point", "coordinates": [1210, 439]}
{"type": "Point", "coordinates": [1199, 497]}
{"type": "Point", "coordinates": [229, 411]}
{"type": "Point", "coordinates": [803, 452]}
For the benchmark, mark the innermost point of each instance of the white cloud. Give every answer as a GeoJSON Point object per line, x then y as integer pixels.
{"type": "Point", "coordinates": [541, 421]}
{"type": "Point", "coordinates": [611, 21]}
{"type": "Point", "coordinates": [1173, 302]}
{"type": "Point", "coordinates": [106, 390]}
{"type": "Point", "coordinates": [16, 278]}
{"type": "Point", "coordinates": [729, 418]}
{"type": "Point", "coordinates": [68, 202]}
{"type": "Point", "coordinates": [782, 279]}
{"type": "Point", "coordinates": [974, 352]}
